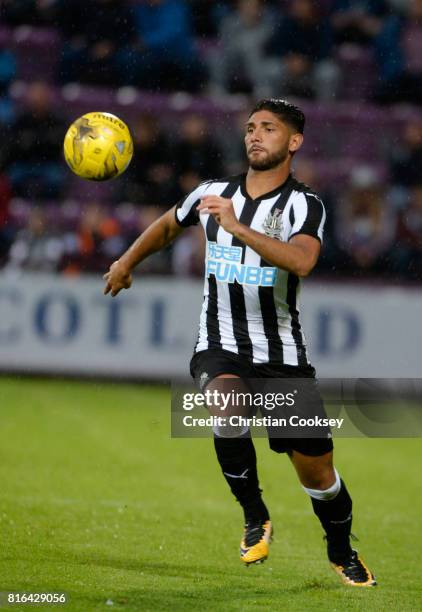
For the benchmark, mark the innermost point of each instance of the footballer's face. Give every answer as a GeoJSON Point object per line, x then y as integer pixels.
{"type": "Point", "coordinates": [269, 141]}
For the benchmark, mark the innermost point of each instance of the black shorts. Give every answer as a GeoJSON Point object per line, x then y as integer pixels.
{"type": "Point", "coordinates": [207, 365]}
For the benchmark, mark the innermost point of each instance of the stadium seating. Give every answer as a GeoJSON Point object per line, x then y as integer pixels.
{"type": "Point", "coordinates": [36, 49]}
{"type": "Point", "coordinates": [339, 136]}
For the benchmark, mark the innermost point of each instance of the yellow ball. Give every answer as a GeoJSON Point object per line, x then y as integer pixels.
{"type": "Point", "coordinates": [98, 146]}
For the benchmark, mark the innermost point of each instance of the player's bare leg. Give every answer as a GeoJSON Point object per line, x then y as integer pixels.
{"type": "Point", "coordinates": [237, 459]}
{"type": "Point", "coordinates": [333, 506]}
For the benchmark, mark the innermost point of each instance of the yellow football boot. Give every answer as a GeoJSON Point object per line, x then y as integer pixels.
{"type": "Point", "coordinates": [255, 544]}
{"type": "Point", "coordinates": [354, 572]}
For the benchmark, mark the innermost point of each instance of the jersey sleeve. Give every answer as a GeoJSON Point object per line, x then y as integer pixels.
{"type": "Point", "coordinates": [307, 216]}
{"type": "Point", "coordinates": [186, 213]}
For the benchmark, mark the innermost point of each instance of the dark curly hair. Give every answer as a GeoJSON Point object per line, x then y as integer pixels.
{"type": "Point", "coordinates": [289, 113]}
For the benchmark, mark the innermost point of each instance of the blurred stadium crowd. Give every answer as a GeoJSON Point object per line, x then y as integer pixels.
{"type": "Point", "coordinates": [183, 74]}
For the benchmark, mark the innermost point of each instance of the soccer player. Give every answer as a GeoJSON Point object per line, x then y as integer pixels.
{"type": "Point", "coordinates": [264, 232]}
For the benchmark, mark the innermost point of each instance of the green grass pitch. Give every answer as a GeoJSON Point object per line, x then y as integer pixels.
{"type": "Point", "coordinates": [98, 501]}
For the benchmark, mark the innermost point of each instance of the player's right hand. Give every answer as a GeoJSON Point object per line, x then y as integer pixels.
{"type": "Point", "coordinates": [117, 278]}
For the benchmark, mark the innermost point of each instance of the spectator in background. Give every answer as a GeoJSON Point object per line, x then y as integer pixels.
{"type": "Point", "coordinates": [233, 142]}
{"type": "Point", "coordinates": [365, 224]}
{"type": "Point", "coordinates": [357, 21]}
{"type": "Point", "coordinates": [331, 257]}
{"type": "Point", "coordinates": [70, 20]}
{"type": "Point", "coordinates": [150, 177]}
{"type": "Point", "coordinates": [399, 6]}
{"type": "Point", "coordinates": [96, 242]}
{"type": "Point", "coordinates": [7, 74]}
{"type": "Point", "coordinates": [408, 253]}
{"type": "Point", "coordinates": [187, 257]}
{"type": "Point", "coordinates": [237, 65]}
{"type": "Point", "coordinates": [158, 263]}
{"type": "Point", "coordinates": [406, 159]}
{"type": "Point", "coordinates": [37, 247]}
{"type": "Point", "coordinates": [6, 230]}
{"type": "Point", "coordinates": [399, 55]}
{"type": "Point", "coordinates": [33, 160]}
{"type": "Point", "coordinates": [7, 117]}
{"type": "Point", "coordinates": [196, 155]}
{"type": "Point", "coordinates": [301, 49]}
{"type": "Point", "coordinates": [100, 46]}
{"type": "Point", "coordinates": [167, 57]}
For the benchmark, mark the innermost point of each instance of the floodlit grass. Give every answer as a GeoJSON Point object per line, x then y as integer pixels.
{"type": "Point", "coordinates": [98, 501]}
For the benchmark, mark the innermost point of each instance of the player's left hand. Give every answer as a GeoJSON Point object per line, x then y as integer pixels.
{"type": "Point", "coordinates": [221, 209]}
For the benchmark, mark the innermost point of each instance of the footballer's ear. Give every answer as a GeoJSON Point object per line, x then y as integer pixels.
{"type": "Point", "coordinates": [295, 142]}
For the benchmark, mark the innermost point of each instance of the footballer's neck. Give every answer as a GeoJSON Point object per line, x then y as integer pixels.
{"type": "Point", "coordinates": [259, 182]}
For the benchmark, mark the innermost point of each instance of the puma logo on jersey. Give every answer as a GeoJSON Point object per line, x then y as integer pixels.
{"type": "Point", "coordinates": [242, 475]}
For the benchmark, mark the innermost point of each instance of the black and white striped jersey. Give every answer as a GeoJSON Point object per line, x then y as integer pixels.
{"type": "Point", "coordinates": [251, 307]}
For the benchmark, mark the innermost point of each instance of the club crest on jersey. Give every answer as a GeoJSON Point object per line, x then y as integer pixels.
{"type": "Point", "coordinates": [273, 224]}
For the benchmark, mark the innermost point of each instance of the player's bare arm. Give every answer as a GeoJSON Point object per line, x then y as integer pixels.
{"type": "Point", "coordinates": [158, 235]}
{"type": "Point", "coordinates": [298, 256]}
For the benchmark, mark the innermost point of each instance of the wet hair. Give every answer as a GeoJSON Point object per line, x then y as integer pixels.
{"type": "Point", "coordinates": [288, 113]}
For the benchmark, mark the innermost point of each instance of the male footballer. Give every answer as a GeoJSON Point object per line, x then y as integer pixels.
{"type": "Point", "coordinates": [264, 232]}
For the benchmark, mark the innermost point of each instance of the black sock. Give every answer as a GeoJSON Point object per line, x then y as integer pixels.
{"type": "Point", "coordinates": [237, 459]}
{"type": "Point", "coordinates": [336, 518]}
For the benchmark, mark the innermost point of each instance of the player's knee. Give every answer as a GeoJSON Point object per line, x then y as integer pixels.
{"type": "Point", "coordinates": [324, 485]}
{"type": "Point", "coordinates": [322, 479]}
